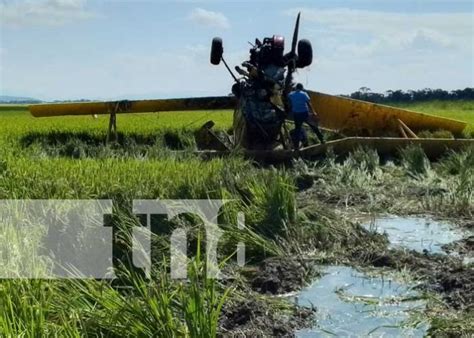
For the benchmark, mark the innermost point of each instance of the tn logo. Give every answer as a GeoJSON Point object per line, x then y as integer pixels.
{"type": "Point", "coordinates": [206, 210]}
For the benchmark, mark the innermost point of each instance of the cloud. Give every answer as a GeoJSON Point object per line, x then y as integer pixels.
{"type": "Point", "coordinates": [386, 22]}
{"type": "Point", "coordinates": [44, 12]}
{"type": "Point", "coordinates": [387, 50]}
{"type": "Point", "coordinates": [209, 18]}
{"type": "Point", "coordinates": [430, 39]}
{"type": "Point", "coordinates": [392, 30]}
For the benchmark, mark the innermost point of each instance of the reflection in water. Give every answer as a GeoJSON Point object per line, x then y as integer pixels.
{"type": "Point", "coordinates": [417, 234]}
{"type": "Point", "coordinates": [351, 304]}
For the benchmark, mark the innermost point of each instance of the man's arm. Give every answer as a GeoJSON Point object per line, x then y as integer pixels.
{"type": "Point", "coordinates": [311, 109]}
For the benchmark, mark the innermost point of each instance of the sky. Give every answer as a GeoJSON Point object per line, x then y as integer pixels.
{"type": "Point", "coordinates": [110, 49]}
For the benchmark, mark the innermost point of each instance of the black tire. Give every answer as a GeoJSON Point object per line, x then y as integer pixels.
{"type": "Point", "coordinates": [216, 51]}
{"type": "Point", "coordinates": [305, 54]}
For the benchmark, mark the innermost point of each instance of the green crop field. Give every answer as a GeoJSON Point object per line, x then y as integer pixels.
{"type": "Point", "coordinates": [458, 110]}
{"type": "Point", "coordinates": [67, 158]}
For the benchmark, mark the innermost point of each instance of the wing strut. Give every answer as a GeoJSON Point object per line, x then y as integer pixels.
{"type": "Point", "coordinates": [114, 108]}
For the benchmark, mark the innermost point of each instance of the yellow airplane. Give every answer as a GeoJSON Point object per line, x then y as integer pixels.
{"type": "Point", "coordinates": [261, 111]}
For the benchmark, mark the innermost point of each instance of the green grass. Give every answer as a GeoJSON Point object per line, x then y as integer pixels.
{"type": "Point", "coordinates": [66, 158]}
{"type": "Point", "coordinates": [31, 167]}
{"type": "Point", "coordinates": [458, 110]}
{"type": "Point", "coordinates": [18, 117]}
{"type": "Point", "coordinates": [51, 158]}
{"type": "Point", "coordinates": [13, 107]}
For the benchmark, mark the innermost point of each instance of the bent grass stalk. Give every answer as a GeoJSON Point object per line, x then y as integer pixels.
{"type": "Point", "coordinates": [65, 158]}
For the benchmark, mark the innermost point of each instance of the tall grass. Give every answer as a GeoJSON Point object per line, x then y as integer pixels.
{"type": "Point", "coordinates": [457, 170]}
{"type": "Point", "coordinates": [415, 161]}
{"type": "Point", "coordinates": [66, 158]}
{"type": "Point", "coordinates": [156, 307]}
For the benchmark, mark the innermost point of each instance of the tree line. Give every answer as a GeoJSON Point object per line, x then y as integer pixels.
{"type": "Point", "coordinates": [427, 94]}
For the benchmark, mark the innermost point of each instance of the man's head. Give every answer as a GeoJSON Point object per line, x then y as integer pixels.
{"type": "Point", "coordinates": [299, 86]}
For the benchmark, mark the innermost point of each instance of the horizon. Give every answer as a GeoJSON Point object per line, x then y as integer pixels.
{"type": "Point", "coordinates": [19, 99]}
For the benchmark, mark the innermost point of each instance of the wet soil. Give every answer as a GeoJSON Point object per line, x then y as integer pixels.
{"type": "Point", "coordinates": [464, 246]}
{"type": "Point", "coordinates": [443, 274]}
{"type": "Point", "coordinates": [281, 275]}
{"type": "Point", "coordinates": [256, 318]}
{"type": "Point", "coordinates": [347, 243]}
{"type": "Point", "coordinates": [440, 273]}
{"type": "Point", "coordinates": [265, 311]}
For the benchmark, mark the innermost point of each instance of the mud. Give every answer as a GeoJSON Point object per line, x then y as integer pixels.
{"type": "Point", "coordinates": [457, 286]}
{"type": "Point", "coordinates": [463, 247]}
{"type": "Point", "coordinates": [333, 232]}
{"type": "Point", "coordinates": [261, 314]}
{"type": "Point", "coordinates": [445, 274]}
{"type": "Point", "coordinates": [281, 275]}
{"type": "Point", "coordinates": [256, 318]}
{"type": "Point", "coordinates": [440, 273]}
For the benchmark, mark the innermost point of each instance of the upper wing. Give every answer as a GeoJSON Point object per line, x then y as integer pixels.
{"type": "Point", "coordinates": [137, 106]}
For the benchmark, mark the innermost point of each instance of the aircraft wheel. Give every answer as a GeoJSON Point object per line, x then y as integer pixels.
{"type": "Point", "coordinates": [305, 54]}
{"type": "Point", "coordinates": [216, 51]}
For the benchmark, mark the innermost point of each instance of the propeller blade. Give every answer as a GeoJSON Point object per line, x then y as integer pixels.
{"type": "Point", "coordinates": [295, 34]}
{"type": "Point", "coordinates": [292, 61]}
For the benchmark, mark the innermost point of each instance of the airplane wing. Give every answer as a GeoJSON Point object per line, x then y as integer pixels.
{"type": "Point", "coordinates": [135, 106]}
{"type": "Point", "coordinates": [348, 116]}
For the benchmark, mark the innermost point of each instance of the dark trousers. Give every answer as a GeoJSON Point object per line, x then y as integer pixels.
{"type": "Point", "coordinates": [299, 134]}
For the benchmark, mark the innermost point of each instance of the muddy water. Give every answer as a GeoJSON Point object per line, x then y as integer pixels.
{"type": "Point", "coordinates": [350, 303]}
{"type": "Point", "coordinates": [413, 233]}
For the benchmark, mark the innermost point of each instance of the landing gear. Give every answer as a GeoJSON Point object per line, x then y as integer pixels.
{"type": "Point", "coordinates": [217, 50]}
{"type": "Point", "coordinates": [305, 54]}
{"type": "Point", "coordinates": [114, 108]}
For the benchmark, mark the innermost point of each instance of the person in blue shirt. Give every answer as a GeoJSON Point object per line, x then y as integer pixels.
{"type": "Point", "coordinates": [300, 104]}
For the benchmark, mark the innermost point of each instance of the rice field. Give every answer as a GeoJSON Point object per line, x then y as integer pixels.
{"type": "Point", "coordinates": [458, 110]}
{"type": "Point", "coordinates": [51, 159]}
{"type": "Point", "coordinates": [66, 158]}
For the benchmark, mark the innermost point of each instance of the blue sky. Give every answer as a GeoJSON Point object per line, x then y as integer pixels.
{"type": "Point", "coordinates": [70, 49]}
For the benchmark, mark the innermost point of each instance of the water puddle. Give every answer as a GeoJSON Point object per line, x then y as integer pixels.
{"type": "Point", "coordinates": [351, 304]}
{"type": "Point", "coordinates": [413, 233]}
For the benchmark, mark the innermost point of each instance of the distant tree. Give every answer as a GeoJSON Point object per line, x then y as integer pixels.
{"type": "Point", "coordinates": [426, 94]}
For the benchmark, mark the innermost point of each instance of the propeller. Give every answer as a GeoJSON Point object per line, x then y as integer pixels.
{"type": "Point", "coordinates": [292, 61]}
{"type": "Point", "coordinates": [294, 42]}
